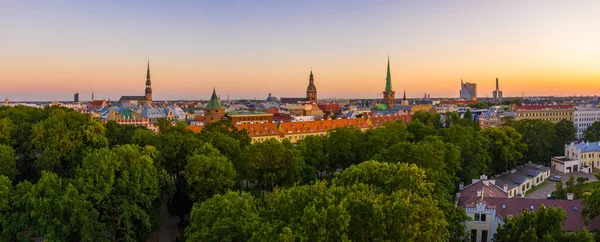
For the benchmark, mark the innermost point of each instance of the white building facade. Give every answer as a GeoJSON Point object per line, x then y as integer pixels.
{"type": "Point", "coordinates": [584, 118]}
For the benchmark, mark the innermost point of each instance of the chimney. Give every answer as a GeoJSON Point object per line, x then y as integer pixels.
{"type": "Point", "coordinates": [569, 196]}
{"type": "Point", "coordinates": [479, 193]}
{"type": "Point", "coordinates": [461, 186]}
{"type": "Point", "coordinates": [505, 188]}
{"type": "Point", "coordinates": [483, 177]}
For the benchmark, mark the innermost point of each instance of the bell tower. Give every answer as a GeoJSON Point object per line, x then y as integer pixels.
{"type": "Point", "coordinates": [389, 95]}
{"type": "Point", "coordinates": [311, 90]}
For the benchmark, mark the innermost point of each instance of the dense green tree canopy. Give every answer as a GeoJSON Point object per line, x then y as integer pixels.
{"type": "Point", "coordinates": [505, 148]}
{"type": "Point", "coordinates": [543, 225]}
{"type": "Point", "coordinates": [539, 136]}
{"type": "Point", "coordinates": [592, 133]}
{"type": "Point", "coordinates": [8, 166]}
{"type": "Point", "coordinates": [209, 174]}
{"type": "Point", "coordinates": [64, 138]}
{"type": "Point", "coordinates": [124, 186]}
{"type": "Point", "coordinates": [565, 133]}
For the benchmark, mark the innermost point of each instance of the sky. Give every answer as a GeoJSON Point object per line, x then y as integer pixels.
{"type": "Point", "coordinates": [51, 49]}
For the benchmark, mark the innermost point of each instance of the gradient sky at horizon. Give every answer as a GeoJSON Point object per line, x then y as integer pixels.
{"type": "Point", "coordinates": [246, 49]}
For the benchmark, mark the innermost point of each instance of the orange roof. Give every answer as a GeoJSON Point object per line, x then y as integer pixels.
{"type": "Point", "coordinates": [259, 129]}
{"type": "Point", "coordinates": [199, 118]}
{"type": "Point", "coordinates": [377, 121]}
{"type": "Point", "coordinates": [195, 128]}
{"type": "Point", "coordinates": [321, 125]}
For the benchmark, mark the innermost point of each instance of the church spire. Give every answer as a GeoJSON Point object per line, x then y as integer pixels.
{"type": "Point", "coordinates": [148, 73]}
{"type": "Point", "coordinates": [404, 98]}
{"type": "Point", "coordinates": [388, 79]}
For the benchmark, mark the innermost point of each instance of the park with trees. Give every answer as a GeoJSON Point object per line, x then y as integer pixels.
{"type": "Point", "coordinates": [68, 177]}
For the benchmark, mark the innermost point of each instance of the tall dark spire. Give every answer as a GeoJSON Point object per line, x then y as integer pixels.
{"type": "Point", "coordinates": [148, 73]}
{"type": "Point", "coordinates": [311, 79]}
{"type": "Point", "coordinates": [404, 98]}
{"type": "Point", "coordinates": [148, 92]}
{"type": "Point", "coordinates": [388, 79]}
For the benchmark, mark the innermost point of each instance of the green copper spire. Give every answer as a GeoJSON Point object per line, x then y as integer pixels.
{"type": "Point", "coordinates": [214, 102]}
{"type": "Point", "coordinates": [388, 79]}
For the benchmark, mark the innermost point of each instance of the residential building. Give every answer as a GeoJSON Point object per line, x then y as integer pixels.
{"type": "Point", "coordinates": [582, 157]}
{"type": "Point", "coordinates": [553, 113]}
{"type": "Point", "coordinates": [146, 99]}
{"type": "Point", "coordinates": [584, 117]}
{"type": "Point", "coordinates": [488, 205]}
{"type": "Point", "coordinates": [76, 97]}
{"type": "Point", "coordinates": [389, 94]}
{"type": "Point", "coordinates": [468, 90]}
{"type": "Point", "coordinates": [330, 108]}
{"type": "Point", "coordinates": [245, 116]}
{"type": "Point", "coordinates": [295, 131]}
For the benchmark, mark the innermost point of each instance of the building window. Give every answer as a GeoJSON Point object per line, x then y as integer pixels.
{"type": "Point", "coordinates": [484, 235]}
{"type": "Point", "coordinates": [473, 235]}
{"type": "Point", "coordinates": [476, 218]}
{"type": "Point", "coordinates": [575, 208]}
{"type": "Point", "coordinates": [482, 217]}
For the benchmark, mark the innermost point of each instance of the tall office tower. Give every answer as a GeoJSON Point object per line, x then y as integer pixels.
{"type": "Point", "coordinates": [468, 90]}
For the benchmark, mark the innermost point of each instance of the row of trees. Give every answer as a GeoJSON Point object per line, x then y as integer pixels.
{"type": "Point", "coordinates": [119, 174]}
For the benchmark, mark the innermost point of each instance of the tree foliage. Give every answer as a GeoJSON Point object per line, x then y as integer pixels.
{"type": "Point", "coordinates": [543, 225]}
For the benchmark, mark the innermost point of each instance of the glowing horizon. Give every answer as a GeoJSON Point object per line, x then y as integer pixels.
{"type": "Point", "coordinates": [248, 50]}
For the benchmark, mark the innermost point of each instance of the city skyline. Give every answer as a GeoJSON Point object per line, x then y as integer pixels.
{"type": "Point", "coordinates": [247, 50]}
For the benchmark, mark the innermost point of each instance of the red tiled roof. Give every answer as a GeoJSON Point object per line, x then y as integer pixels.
{"type": "Point", "coordinates": [259, 129]}
{"type": "Point", "coordinates": [199, 118]}
{"type": "Point", "coordinates": [516, 206]}
{"type": "Point", "coordinates": [542, 107]}
{"type": "Point", "coordinates": [377, 121]}
{"type": "Point", "coordinates": [97, 103]}
{"type": "Point", "coordinates": [272, 110]}
{"type": "Point", "coordinates": [329, 107]}
{"type": "Point", "coordinates": [469, 193]}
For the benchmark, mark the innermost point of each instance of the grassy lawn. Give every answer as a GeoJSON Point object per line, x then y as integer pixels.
{"type": "Point", "coordinates": [591, 185]}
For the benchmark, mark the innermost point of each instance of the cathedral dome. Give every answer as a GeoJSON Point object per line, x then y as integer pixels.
{"type": "Point", "coordinates": [311, 87]}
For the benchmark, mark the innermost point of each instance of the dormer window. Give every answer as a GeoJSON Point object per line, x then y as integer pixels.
{"type": "Point", "coordinates": [531, 207]}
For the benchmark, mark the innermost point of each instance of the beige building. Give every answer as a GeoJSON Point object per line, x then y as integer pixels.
{"type": "Point", "coordinates": [552, 113]}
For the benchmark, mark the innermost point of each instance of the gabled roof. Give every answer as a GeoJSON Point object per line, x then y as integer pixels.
{"type": "Point", "coordinates": [293, 100]}
{"type": "Point", "coordinates": [515, 206]}
{"type": "Point", "coordinates": [132, 98]}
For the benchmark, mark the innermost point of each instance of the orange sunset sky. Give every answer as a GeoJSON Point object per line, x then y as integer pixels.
{"type": "Point", "coordinates": [52, 49]}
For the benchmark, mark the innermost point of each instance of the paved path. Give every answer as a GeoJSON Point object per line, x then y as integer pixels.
{"type": "Point", "coordinates": [549, 186]}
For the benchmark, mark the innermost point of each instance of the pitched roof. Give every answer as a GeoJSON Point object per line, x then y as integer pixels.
{"type": "Point", "coordinates": [515, 206]}
{"type": "Point", "coordinates": [377, 121]}
{"type": "Point", "coordinates": [293, 100]}
{"type": "Point", "coordinates": [588, 147]}
{"type": "Point", "coordinates": [132, 98]}
{"type": "Point", "coordinates": [489, 189]}
{"type": "Point", "coordinates": [214, 102]}
{"type": "Point", "coordinates": [259, 129]}
{"type": "Point", "coordinates": [329, 107]}
{"type": "Point", "coordinates": [98, 103]}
